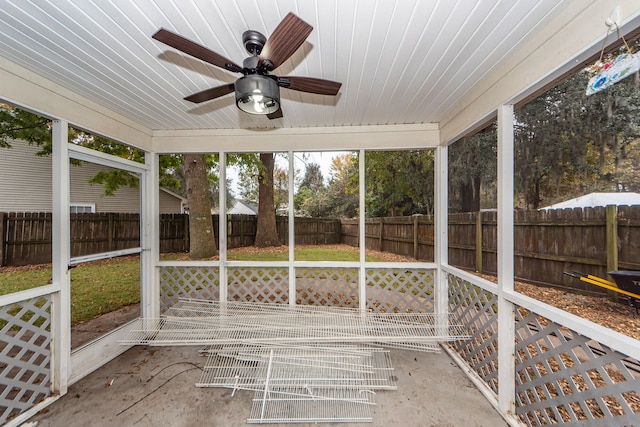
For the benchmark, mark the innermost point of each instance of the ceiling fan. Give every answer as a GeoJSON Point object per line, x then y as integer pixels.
{"type": "Point", "coordinates": [257, 91]}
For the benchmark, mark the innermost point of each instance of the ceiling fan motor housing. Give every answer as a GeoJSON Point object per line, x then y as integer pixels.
{"type": "Point", "coordinates": [257, 94]}
{"type": "Point", "coordinates": [253, 41]}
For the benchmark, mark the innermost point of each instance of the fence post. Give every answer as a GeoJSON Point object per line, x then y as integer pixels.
{"type": "Point", "coordinates": [415, 236]}
{"type": "Point", "coordinates": [611, 212]}
{"type": "Point", "coordinates": [3, 219]}
{"type": "Point", "coordinates": [479, 242]}
{"type": "Point", "coordinates": [110, 232]}
{"type": "Point", "coordinates": [381, 234]}
{"type": "Point", "coordinates": [186, 232]}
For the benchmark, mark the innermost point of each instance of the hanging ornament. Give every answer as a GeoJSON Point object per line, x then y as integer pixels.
{"type": "Point", "coordinates": [612, 72]}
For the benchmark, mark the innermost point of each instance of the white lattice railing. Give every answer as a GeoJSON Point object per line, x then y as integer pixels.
{"type": "Point", "coordinates": [401, 289]}
{"type": "Point", "coordinates": [188, 282]}
{"type": "Point", "coordinates": [569, 371]}
{"type": "Point", "coordinates": [25, 355]}
{"type": "Point", "coordinates": [258, 284]}
{"type": "Point", "coordinates": [388, 288]}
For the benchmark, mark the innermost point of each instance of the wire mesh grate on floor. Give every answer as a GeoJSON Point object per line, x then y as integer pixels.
{"type": "Point", "coordinates": [250, 367]}
{"type": "Point", "coordinates": [334, 405]}
{"type": "Point", "coordinates": [305, 364]}
{"type": "Point", "coordinates": [296, 384]}
{"type": "Point", "coordinates": [194, 322]}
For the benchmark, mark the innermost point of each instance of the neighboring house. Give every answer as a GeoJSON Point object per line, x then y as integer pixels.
{"type": "Point", "coordinates": [598, 199]}
{"type": "Point", "coordinates": [240, 207]}
{"type": "Point", "coordinates": [25, 186]}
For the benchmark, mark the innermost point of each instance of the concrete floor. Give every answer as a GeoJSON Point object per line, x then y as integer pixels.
{"type": "Point", "coordinates": [153, 386]}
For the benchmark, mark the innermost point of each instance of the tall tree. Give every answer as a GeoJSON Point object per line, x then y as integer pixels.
{"type": "Point", "coordinates": [266, 231]}
{"type": "Point", "coordinates": [343, 191]}
{"type": "Point", "coordinates": [399, 182]}
{"type": "Point", "coordinates": [472, 167]}
{"type": "Point", "coordinates": [202, 242]}
{"type": "Point", "coordinates": [310, 199]}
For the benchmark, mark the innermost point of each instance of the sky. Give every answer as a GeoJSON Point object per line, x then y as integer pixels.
{"type": "Point", "coordinates": [323, 159]}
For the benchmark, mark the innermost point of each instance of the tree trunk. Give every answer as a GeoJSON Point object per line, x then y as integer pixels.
{"type": "Point", "coordinates": [266, 233]}
{"type": "Point", "coordinates": [470, 194]}
{"type": "Point", "coordinates": [202, 242]}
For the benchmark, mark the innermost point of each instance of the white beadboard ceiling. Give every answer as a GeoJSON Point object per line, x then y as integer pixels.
{"type": "Point", "coordinates": [400, 61]}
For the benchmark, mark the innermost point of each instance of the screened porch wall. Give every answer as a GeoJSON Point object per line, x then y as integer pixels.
{"type": "Point", "coordinates": [568, 371]}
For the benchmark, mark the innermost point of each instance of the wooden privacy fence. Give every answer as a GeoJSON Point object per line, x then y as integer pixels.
{"type": "Point", "coordinates": [591, 240]}
{"type": "Point", "coordinates": [25, 237]}
{"type": "Point", "coordinates": [546, 243]}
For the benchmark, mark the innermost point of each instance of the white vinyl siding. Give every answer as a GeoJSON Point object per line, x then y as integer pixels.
{"type": "Point", "coordinates": [25, 185]}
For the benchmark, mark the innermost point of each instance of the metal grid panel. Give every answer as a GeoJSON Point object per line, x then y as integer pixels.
{"type": "Point", "coordinates": [477, 310]}
{"type": "Point", "coordinates": [245, 367]}
{"type": "Point", "coordinates": [565, 378]}
{"type": "Point", "coordinates": [188, 282]}
{"type": "Point", "coordinates": [400, 290]}
{"type": "Point", "coordinates": [25, 355]}
{"type": "Point", "coordinates": [258, 284]}
{"type": "Point", "coordinates": [210, 323]}
{"type": "Point", "coordinates": [324, 406]}
{"type": "Point", "coordinates": [333, 286]}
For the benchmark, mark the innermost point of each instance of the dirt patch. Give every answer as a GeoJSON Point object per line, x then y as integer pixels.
{"type": "Point", "coordinates": [85, 332]}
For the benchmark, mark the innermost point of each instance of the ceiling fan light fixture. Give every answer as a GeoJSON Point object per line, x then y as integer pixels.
{"type": "Point", "coordinates": [257, 94]}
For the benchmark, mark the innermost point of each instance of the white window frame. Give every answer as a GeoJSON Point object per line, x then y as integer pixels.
{"type": "Point", "coordinates": [92, 206]}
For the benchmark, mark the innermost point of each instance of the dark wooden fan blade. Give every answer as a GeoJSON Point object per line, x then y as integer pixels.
{"type": "Point", "coordinates": [310, 84]}
{"type": "Point", "coordinates": [275, 115]}
{"type": "Point", "coordinates": [284, 41]}
{"type": "Point", "coordinates": [195, 50]}
{"type": "Point", "coordinates": [209, 94]}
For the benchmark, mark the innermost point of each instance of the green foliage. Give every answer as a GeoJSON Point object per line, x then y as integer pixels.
{"type": "Point", "coordinates": [399, 183]}
{"type": "Point", "coordinates": [250, 168]}
{"type": "Point", "coordinates": [20, 124]}
{"type": "Point", "coordinates": [112, 180]}
{"type": "Point", "coordinates": [569, 144]}
{"type": "Point", "coordinates": [566, 144]}
{"type": "Point", "coordinates": [338, 199]}
{"type": "Point", "coordinates": [311, 198]}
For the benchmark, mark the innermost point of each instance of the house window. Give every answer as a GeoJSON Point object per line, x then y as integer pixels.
{"type": "Point", "coordinates": [82, 207]}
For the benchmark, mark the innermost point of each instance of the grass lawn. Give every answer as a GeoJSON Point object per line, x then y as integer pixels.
{"type": "Point", "coordinates": [302, 254]}
{"type": "Point", "coordinates": [103, 286]}
{"type": "Point", "coordinates": [96, 288]}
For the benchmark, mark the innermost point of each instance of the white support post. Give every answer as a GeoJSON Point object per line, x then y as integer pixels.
{"type": "Point", "coordinates": [150, 237]}
{"type": "Point", "coordinates": [506, 324]}
{"type": "Point", "coordinates": [61, 310]}
{"type": "Point", "coordinates": [362, 241]}
{"type": "Point", "coordinates": [292, 237]}
{"type": "Point", "coordinates": [222, 224]}
{"type": "Point", "coordinates": [441, 223]}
